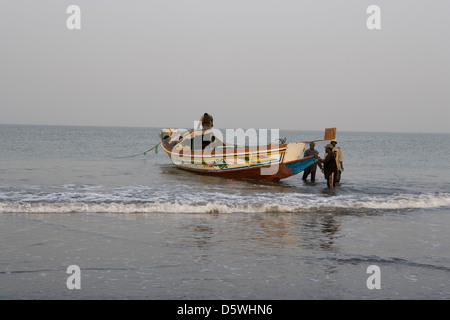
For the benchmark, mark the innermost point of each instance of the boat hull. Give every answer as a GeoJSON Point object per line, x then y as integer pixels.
{"type": "Point", "coordinates": [268, 163]}
{"type": "Point", "coordinates": [279, 171]}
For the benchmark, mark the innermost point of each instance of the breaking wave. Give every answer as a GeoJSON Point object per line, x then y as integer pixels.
{"type": "Point", "coordinates": [287, 204]}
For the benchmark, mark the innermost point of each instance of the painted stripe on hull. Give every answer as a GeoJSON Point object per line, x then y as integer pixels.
{"type": "Point", "coordinates": [283, 171]}
{"type": "Point", "coordinates": [297, 167]}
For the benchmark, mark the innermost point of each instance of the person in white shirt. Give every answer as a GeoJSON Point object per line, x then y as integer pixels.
{"type": "Point", "coordinates": [339, 160]}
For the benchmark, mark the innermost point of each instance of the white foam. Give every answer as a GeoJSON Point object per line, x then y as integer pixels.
{"type": "Point", "coordinates": [301, 204]}
{"type": "Point", "coordinates": [403, 201]}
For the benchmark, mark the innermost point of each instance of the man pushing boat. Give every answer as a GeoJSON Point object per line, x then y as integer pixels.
{"type": "Point", "coordinates": [329, 166]}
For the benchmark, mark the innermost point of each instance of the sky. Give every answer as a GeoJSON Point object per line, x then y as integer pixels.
{"type": "Point", "coordinates": [274, 64]}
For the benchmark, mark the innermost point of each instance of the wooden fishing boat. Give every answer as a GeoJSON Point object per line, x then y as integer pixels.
{"type": "Point", "coordinates": [205, 152]}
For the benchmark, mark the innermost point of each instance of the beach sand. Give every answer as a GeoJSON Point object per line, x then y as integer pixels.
{"type": "Point", "coordinates": [222, 256]}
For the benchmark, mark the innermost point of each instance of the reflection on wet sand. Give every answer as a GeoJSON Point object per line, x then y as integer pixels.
{"type": "Point", "coordinates": [250, 241]}
{"type": "Point", "coordinates": [257, 233]}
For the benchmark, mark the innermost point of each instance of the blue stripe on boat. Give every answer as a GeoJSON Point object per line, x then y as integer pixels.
{"type": "Point", "coordinates": [301, 165]}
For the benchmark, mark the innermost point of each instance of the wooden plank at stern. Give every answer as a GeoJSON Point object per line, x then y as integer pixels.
{"type": "Point", "coordinates": [330, 134]}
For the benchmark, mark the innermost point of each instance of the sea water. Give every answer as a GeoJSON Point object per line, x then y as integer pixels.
{"type": "Point", "coordinates": [139, 228]}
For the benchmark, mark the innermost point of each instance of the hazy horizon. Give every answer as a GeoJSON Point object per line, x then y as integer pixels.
{"type": "Point", "coordinates": [288, 65]}
{"type": "Point", "coordinates": [186, 127]}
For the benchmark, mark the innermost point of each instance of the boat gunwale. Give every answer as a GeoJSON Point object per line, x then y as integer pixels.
{"type": "Point", "coordinates": [214, 154]}
{"type": "Point", "coordinates": [244, 168]}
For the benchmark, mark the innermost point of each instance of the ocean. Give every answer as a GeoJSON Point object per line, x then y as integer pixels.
{"type": "Point", "coordinates": [139, 228]}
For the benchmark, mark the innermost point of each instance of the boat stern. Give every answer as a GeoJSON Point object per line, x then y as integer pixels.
{"type": "Point", "coordinates": [294, 151]}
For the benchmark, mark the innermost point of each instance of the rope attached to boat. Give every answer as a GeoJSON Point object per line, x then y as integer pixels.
{"type": "Point", "coordinates": [142, 153]}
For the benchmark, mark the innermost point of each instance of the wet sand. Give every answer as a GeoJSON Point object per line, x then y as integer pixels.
{"type": "Point", "coordinates": [223, 256]}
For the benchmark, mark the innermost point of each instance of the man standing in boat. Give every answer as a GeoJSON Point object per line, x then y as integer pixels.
{"type": "Point", "coordinates": [329, 166]}
{"type": "Point", "coordinates": [312, 168]}
{"type": "Point", "coordinates": [206, 120]}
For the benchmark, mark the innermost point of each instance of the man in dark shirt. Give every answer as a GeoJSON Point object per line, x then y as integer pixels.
{"type": "Point", "coordinates": [329, 166]}
{"type": "Point", "coordinates": [206, 120]}
{"type": "Point", "coordinates": [312, 168]}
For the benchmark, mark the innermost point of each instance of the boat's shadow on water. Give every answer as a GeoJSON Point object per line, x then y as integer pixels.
{"type": "Point", "coordinates": [184, 175]}
{"type": "Point", "coordinates": [289, 185]}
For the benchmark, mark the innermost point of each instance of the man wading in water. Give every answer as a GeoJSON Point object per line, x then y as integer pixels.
{"type": "Point", "coordinates": [329, 166]}
{"type": "Point", "coordinates": [312, 168]}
